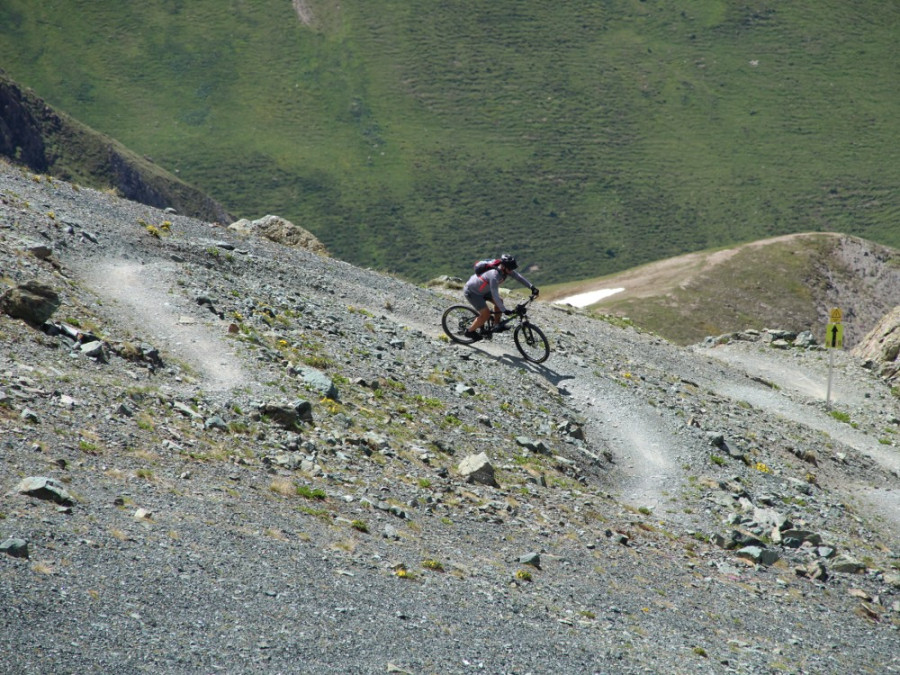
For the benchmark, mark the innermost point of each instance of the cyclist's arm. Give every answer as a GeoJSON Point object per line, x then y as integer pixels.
{"type": "Point", "coordinates": [522, 280]}
{"type": "Point", "coordinates": [494, 278]}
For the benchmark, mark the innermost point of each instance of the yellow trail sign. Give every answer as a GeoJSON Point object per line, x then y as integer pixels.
{"type": "Point", "coordinates": [834, 339]}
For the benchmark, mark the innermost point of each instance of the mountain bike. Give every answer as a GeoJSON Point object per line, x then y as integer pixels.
{"type": "Point", "coordinates": [529, 339]}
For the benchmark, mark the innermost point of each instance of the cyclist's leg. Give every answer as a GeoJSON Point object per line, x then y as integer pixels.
{"type": "Point", "coordinates": [478, 302]}
{"type": "Point", "coordinates": [480, 320]}
{"type": "Point", "coordinates": [496, 312]}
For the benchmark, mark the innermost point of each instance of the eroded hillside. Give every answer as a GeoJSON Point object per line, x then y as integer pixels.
{"type": "Point", "coordinates": [258, 462]}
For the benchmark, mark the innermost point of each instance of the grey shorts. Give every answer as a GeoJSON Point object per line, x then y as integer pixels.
{"type": "Point", "coordinates": [477, 300]}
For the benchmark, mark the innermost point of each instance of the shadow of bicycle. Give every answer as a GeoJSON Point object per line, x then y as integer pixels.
{"type": "Point", "coordinates": [552, 376]}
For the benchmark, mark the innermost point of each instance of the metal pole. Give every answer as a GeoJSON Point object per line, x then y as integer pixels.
{"type": "Point", "coordinates": [830, 365]}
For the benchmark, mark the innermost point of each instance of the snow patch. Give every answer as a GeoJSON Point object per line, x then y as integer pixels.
{"type": "Point", "coordinates": [585, 299]}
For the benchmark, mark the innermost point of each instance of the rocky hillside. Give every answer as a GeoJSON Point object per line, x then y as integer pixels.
{"type": "Point", "coordinates": [221, 453]}
{"type": "Point", "coordinates": [881, 347]}
{"type": "Point", "coordinates": [50, 142]}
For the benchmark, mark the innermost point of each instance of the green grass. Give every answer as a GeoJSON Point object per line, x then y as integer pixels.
{"type": "Point", "coordinates": [416, 136]}
{"type": "Point", "coordinates": [746, 291]}
{"type": "Point", "coordinates": [311, 493]}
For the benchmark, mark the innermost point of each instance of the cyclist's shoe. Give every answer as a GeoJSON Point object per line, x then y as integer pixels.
{"type": "Point", "coordinates": [472, 335]}
{"type": "Point", "coordinates": [502, 327]}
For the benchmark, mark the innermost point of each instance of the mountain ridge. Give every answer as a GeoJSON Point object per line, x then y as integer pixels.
{"type": "Point", "coordinates": [792, 281]}
{"type": "Point", "coordinates": [860, 276]}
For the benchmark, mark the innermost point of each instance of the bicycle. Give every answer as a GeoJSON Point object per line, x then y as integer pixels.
{"type": "Point", "coordinates": [529, 339]}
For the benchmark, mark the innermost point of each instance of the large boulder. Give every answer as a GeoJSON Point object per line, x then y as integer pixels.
{"type": "Point", "coordinates": [280, 231]}
{"type": "Point", "coordinates": [45, 488]}
{"type": "Point", "coordinates": [287, 415]}
{"type": "Point", "coordinates": [478, 469]}
{"type": "Point", "coordinates": [881, 347]}
{"type": "Point", "coordinates": [317, 381]}
{"type": "Point", "coordinates": [34, 301]}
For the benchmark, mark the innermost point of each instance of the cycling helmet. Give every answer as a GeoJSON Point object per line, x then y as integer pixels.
{"type": "Point", "coordinates": [508, 261]}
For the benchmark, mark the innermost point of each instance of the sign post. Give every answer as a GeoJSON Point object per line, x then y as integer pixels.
{"type": "Point", "coordinates": [834, 339]}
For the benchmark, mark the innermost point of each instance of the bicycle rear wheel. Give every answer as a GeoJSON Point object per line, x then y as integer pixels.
{"type": "Point", "coordinates": [456, 322]}
{"type": "Point", "coordinates": [530, 341]}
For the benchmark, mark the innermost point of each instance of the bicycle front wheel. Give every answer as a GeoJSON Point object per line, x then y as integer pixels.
{"type": "Point", "coordinates": [530, 341]}
{"type": "Point", "coordinates": [456, 322]}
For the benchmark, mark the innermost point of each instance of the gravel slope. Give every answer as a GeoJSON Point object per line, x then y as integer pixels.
{"type": "Point", "coordinates": [205, 536]}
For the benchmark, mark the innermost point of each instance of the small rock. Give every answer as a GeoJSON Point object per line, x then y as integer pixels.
{"type": "Point", "coordinates": [40, 251]}
{"type": "Point", "coordinates": [317, 381]}
{"type": "Point", "coordinates": [186, 410]}
{"type": "Point", "coordinates": [93, 350]}
{"type": "Point", "coordinates": [216, 422]}
{"type": "Point", "coordinates": [758, 554]}
{"type": "Point", "coordinates": [28, 415]}
{"type": "Point", "coordinates": [17, 548]}
{"type": "Point", "coordinates": [538, 447]}
{"type": "Point", "coordinates": [533, 559]}
{"type": "Point", "coordinates": [846, 564]}
{"type": "Point", "coordinates": [618, 537]}
{"type": "Point", "coordinates": [796, 538]}
{"type": "Point", "coordinates": [815, 570]}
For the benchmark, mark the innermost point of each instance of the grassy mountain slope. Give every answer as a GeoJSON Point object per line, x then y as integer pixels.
{"type": "Point", "coordinates": [413, 136]}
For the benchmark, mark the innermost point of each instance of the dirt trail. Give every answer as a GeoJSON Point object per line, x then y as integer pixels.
{"type": "Point", "coordinates": [885, 502]}
{"type": "Point", "coordinates": [800, 386]}
{"type": "Point", "coordinates": [642, 445]}
{"type": "Point", "coordinates": [168, 318]}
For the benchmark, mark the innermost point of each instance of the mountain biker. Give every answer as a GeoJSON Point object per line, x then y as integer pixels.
{"type": "Point", "coordinates": [485, 287]}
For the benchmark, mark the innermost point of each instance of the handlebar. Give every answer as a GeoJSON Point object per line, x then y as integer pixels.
{"type": "Point", "coordinates": [520, 308]}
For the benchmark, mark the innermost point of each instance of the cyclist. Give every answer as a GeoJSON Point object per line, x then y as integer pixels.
{"type": "Point", "coordinates": [485, 287]}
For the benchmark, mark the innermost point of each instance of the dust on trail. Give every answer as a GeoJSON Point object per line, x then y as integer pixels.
{"type": "Point", "coordinates": [638, 439]}
{"type": "Point", "coordinates": [641, 443]}
{"type": "Point", "coordinates": [158, 316]}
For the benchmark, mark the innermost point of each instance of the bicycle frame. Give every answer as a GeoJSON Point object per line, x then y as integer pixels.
{"type": "Point", "coordinates": [520, 313]}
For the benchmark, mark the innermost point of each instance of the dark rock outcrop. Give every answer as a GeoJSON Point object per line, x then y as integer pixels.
{"type": "Point", "coordinates": [48, 141]}
{"type": "Point", "coordinates": [34, 301]}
